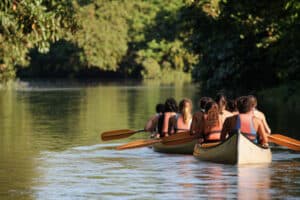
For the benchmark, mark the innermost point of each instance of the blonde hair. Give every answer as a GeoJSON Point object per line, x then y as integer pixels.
{"type": "Point", "coordinates": [186, 114]}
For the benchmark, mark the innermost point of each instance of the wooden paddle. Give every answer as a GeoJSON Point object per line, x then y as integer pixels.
{"type": "Point", "coordinates": [176, 139]}
{"type": "Point", "coordinates": [118, 134]}
{"type": "Point", "coordinates": [279, 136]}
{"type": "Point", "coordinates": [285, 141]}
{"type": "Point", "coordinates": [138, 144]}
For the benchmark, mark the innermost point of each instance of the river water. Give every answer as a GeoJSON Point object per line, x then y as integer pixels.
{"type": "Point", "coordinates": [50, 147]}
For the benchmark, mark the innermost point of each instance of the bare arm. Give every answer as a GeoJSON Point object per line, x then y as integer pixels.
{"type": "Point", "coordinates": [228, 126]}
{"type": "Point", "coordinates": [151, 123]}
{"type": "Point", "coordinates": [262, 117]}
{"type": "Point", "coordinates": [171, 126]}
{"type": "Point", "coordinates": [197, 124]}
{"type": "Point", "coordinates": [262, 134]}
{"type": "Point", "coordinates": [266, 126]}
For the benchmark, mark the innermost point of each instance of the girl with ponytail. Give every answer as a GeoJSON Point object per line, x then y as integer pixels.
{"type": "Point", "coordinates": [182, 121]}
{"type": "Point", "coordinates": [212, 122]}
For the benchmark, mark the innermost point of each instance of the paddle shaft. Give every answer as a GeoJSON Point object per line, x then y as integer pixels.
{"type": "Point", "coordinates": [175, 139]}
{"type": "Point", "coordinates": [119, 134]}
{"type": "Point", "coordinates": [284, 142]}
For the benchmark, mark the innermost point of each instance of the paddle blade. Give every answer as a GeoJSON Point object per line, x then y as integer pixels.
{"type": "Point", "coordinates": [284, 142]}
{"type": "Point", "coordinates": [117, 134]}
{"type": "Point", "coordinates": [137, 144]}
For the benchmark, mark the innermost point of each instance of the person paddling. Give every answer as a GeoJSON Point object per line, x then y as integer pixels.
{"type": "Point", "coordinates": [246, 122]}
{"type": "Point", "coordinates": [231, 106]}
{"type": "Point", "coordinates": [171, 109]}
{"type": "Point", "coordinates": [222, 103]}
{"type": "Point", "coordinates": [212, 123]}
{"type": "Point", "coordinates": [183, 120]}
{"type": "Point", "coordinates": [151, 125]}
{"type": "Point", "coordinates": [260, 115]}
{"type": "Point", "coordinates": [198, 117]}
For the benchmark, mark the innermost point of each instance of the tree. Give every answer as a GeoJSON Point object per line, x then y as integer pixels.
{"type": "Point", "coordinates": [248, 44]}
{"type": "Point", "coordinates": [31, 23]}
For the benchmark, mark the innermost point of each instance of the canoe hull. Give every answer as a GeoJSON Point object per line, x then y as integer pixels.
{"type": "Point", "coordinates": [237, 149]}
{"type": "Point", "coordinates": [186, 148]}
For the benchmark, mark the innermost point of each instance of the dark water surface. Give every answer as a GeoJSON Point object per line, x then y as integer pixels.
{"type": "Point", "coordinates": [50, 147]}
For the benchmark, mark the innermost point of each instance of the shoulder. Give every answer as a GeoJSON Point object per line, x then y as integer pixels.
{"type": "Point", "coordinates": [227, 114]}
{"type": "Point", "coordinates": [259, 114]}
{"type": "Point", "coordinates": [198, 115]}
{"type": "Point", "coordinates": [231, 119]}
{"type": "Point", "coordinates": [257, 120]}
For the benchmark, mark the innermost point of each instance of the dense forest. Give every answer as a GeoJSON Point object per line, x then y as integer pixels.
{"type": "Point", "coordinates": [219, 43]}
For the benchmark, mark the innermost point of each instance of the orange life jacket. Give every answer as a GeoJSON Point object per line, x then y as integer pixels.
{"type": "Point", "coordinates": [246, 125]}
{"type": "Point", "coordinates": [180, 125]}
{"type": "Point", "coordinates": [212, 132]}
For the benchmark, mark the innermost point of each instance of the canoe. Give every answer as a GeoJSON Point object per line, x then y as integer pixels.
{"type": "Point", "coordinates": [237, 149]}
{"type": "Point", "coordinates": [185, 148]}
{"type": "Point", "coordinates": [179, 143]}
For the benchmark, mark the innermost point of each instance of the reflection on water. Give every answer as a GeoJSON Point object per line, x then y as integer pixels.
{"type": "Point", "coordinates": [254, 182]}
{"type": "Point", "coordinates": [50, 148]}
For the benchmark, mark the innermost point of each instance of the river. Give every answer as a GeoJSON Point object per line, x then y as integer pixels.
{"type": "Point", "coordinates": [50, 147]}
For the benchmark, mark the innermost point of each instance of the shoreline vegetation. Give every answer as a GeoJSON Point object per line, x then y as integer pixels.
{"type": "Point", "coordinates": [219, 44]}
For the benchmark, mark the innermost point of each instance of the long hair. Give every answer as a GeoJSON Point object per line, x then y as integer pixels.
{"type": "Point", "coordinates": [203, 102]}
{"type": "Point", "coordinates": [212, 111]}
{"type": "Point", "coordinates": [231, 105]}
{"type": "Point", "coordinates": [183, 108]}
{"type": "Point", "coordinates": [171, 105]}
{"type": "Point", "coordinates": [252, 100]}
{"type": "Point", "coordinates": [221, 101]}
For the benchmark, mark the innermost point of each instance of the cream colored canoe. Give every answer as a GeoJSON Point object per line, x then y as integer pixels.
{"type": "Point", "coordinates": [186, 148]}
{"type": "Point", "coordinates": [237, 149]}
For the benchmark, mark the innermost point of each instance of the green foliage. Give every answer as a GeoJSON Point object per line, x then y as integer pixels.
{"type": "Point", "coordinates": [64, 59]}
{"type": "Point", "coordinates": [170, 55]}
{"type": "Point", "coordinates": [104, 33]}
{"type": "Point", "coordinates": [248, 44]}
{"type": "Point", "coordinates": [221, 43]}
{"type": "Point", "coordinates": [30, 23]}
{"type": "Point", "coordinates": [151, 68]}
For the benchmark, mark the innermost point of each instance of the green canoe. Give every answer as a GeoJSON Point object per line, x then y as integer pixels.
{"type": "Point", "coordinates": [185, 148]}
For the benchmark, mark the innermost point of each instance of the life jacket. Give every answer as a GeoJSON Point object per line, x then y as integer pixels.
{"type": "Point", "coordinates": [245, 124]}
{"type": "Point", "coordinates": [180, 126]}
{"type": "Point", "coordinates": [212, 133]}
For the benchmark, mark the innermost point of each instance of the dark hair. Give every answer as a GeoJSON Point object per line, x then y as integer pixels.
{"type": "Point", "coordinates": [253, 100]}
{"type": "Point", "coordinates": [231, 105]}
{"type": "Point", "coordinates": [171, 105]}
{"type": "Point", "coordinates": [203, 102]}
{"type": "Point", "coordinates": [221, 100]}
{"type": "Point", "coordinates": [160, 108]}
{"type": "Point", "coordinates": [209, 105]}
{"type": "Point", "coordinates": [244, 104]}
